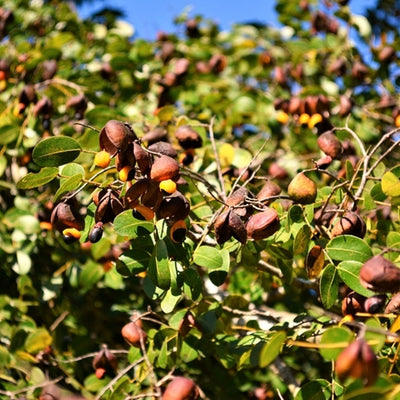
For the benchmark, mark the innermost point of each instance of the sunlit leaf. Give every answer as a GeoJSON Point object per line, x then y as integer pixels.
{"type": "Point", "coordinates": [333, 341]}
{"type": "Point", "coordinates": [38, 340]}
{"type": "Point", "coordinates": [329, 286]}
{"type": "Point", "coordinates": [272, 348]}
{"type": "Point", "coordinates": [33, 180]}
{"type": "Point", "coordinates": [348, 248]}
{"type": "Point", "coordinates": [55, 151]}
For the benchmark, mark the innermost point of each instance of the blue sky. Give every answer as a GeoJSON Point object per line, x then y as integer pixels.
{"type": "Point", "coordinates": [150, 16]}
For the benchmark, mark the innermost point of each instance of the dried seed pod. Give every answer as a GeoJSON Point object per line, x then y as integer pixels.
{"type": "Point", "coordinates": [143, 213]}
{"type": "Point", "coordinates": [263, 224]}
{"type": "Point", "coordinates": [66, 215]}
{"type": "Point", "coordinates": [330, 144]}
{"type": "Point", "coordinates": [133, 334]}
{"type": "Point", "coordinates": [181, 388]}
{"type": "Point", "coordinates": [163, 168]}
{"type": "Point", "coordinates": [108, 207]}
{"type": "Point", "coordinates": [324, 162]}
{"type": "Point", "coordinates": [43, 107]}
{"type": "Point", "coordinates": [345, 105]}
{"type": "Point", "coordinates": [126, 158]}
{"type": "Point", "coordinates": [188, 138]}
{"type": "Point", "coordinates": [49, 69]}
{"type": "Point", "coordinates": [157, 134]}
{"type": "Point", "coordinates": [96, 233]}
{"type": "Point", "coordinates": [380, 275]}
{"type": "Point", "coordinates": [359, 71]}
{"type": "Point", "coordinates": [237, 198]}
{"type": "Point", "coordinates": [153, 196]}
{"type": "Point", "coordinates": [79, 104]}
{"type": "Point", "coordinates": [105, 359]}
{"type": "Point", "coordinates": [217, 63]}
{"type": "Point", "coordinates": [143, 158]}
{"type": "Point", "coordinates": [163, 148]}
{"type": "Point", "coordinates": [387, 54]}
{"type": "Point", "coordinates": [174, 207]}
{"type": "Point", "coordinates": [276, 171]}
{"type": "Point", "coordinates": [27, 95]}
{"type": "Point", "coordinates": [236, 227]}
{"type": "Point", "coordinates": [393, 307]}
{"type": "Point", "coordinates": [269, 189]}
{"type": "Point", "coordinates": [133, 194]}
{"type": "Point", "coordinates": [302, 189]}
{"type": "Point", "coordinates": [178, 231]}
{"type": "Point", "coordinates": [357, 360]}
{"type": "Point", "coordinates": [353, 303]}
{"type": "Point", "coordinates": [181, 66]}
{"type": "Point", "coordinates": [115, 137]}
{"type": "Point", "coordinates": [350, 223]}
{"type": "Point", "coordinates": [338, 67]}
{"type": "Point", "coordinates": [221, 227]}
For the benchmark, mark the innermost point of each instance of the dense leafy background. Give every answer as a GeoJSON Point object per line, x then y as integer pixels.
{"type": "Point", "coordinates": [259, 319]}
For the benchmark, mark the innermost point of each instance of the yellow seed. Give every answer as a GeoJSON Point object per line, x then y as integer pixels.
{"type": "Point", "coordinates": [102, 159]}
{"type": "Point", "coordinates": [72, 232]}
{"type": "Point", "coordinates": [304, 118]}
{"type": "Point", "coordinates": [124, 173]}
{"type": "Point", "coordinates": [282, 117]}
{"type": "Point", "coordinates": [168, 186]}
{"type": "Point", "coordinates": [314, 120]}
{"type": "Point", "coordinates": [397, 121]}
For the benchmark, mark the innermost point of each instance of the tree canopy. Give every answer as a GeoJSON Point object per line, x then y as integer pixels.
{"type": "Point", "coordinates": [209, 215]}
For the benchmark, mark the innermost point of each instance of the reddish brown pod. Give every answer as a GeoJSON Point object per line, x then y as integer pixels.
{"type": "Point", "coordinates": [66, 215]}
{"type": "Point", "coordinates": [263, 224]}
{"type": "Point", "coordinates": [268, 192]}
{"type": "Point", "coordinates": [133, 333]}
{"type": "Point", "coordinates": [394, 305]}
{"type": "Point", "coordinates": [380, 275]}
{"type": "Point", "coordinates": [115, 137]}
{"type": "Point", "coordinates": [330, 144]}
{"type": "Point", "coordinates": [350, 223]}
{"type": "Point", "coordinates": [357, 360]}
{"type": "Point", "coordinates": [79, 104]}
{"type": "Point", "coordinates": [163, 168]}
{"type": "Point", "coordinates": [353, 303]}
{"type": "Point", "coordinates": [188, 138]}
{"type": "Point", "coordinates": [104, 362]}
{"type": "Point", "coordinates": [181, 388]}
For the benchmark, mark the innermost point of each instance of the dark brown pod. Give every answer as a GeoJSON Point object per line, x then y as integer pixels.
{"type": "Point", "coordinates": [393, 307]}
{"type": "Point", "coordinates": [174, 207]}
{"type": "Point", "coordinates": [143, 158]}
{"type": "Point", "coordinates": [263, 224]}
{"type": "Point", "coordinates": [163, 148]}
{"type": "Point", "coordinates": [188, 138]}
{"type": "Point", "coordinates": [133, 194]}
{"type": "Point", "coordinates": [324, 162]}
{"type": "Point", "coordinates": [108, 207]}
{"type": "Point", "coordinates": [350, 223]}
{"type": "Point", "coordinates": [237, 228]}
{"type": "Point", "coordinates": [105, 359]}
{"type": "Point", "coordinates": [163, 168]}
{"type": "Point", "coordinates": [78, 103]}
{"type": "Point", "coordinates": [115, 137]}
{"type": "Point", "coordinates": [359, 71]}
{"type": "Point", "coordinates": [66, 215]}
{"type": "Point", "coordinates": [270, 189]}
{"type": "Point", "coordinates": [192, 28]}
{"type": "Point", "coordinates": [43, 107]}
{"type": "Point", "coordinates": [27, 95]}
{"type": "Point", "coordinates": [157, 134]}
{"type": "Point", "coordinates": [276, 171]}
{"type": "Point", "coordinates": [330, 144]}
{"type": "Point", "coordinates": [217, 63]}
{"type": "Point", "coordinates": [238, 197]}
{"type": "Point", "coordinates": [49, 69]}
{"type": "Point", "coordinates": [380, 275]}
{"type": "Point", "coordinates": [338, 67]}
{"type": "Point", "coordinates": [181, 388]}
{"type": "Point", "coordinates": [153, 196]}
{"type": "Point", "coordinates": [324, 215]}
{"type": "Point", "coordinates": [126, 158]}
{"type": "Point", "coordinates": [221, 227]}
{"type": "Point", "coordinates": [345, 105]}
{"type": "Point", "coordinates": [353, 303]}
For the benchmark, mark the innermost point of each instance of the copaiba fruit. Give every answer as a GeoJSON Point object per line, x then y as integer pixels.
{"type": "Point", "coordinates": [163, 168]}
{"type": "Point", "coordinates": [188, 138]}
{"type": "Point", "coordinates": [380, 275]}
{"type": "Point", "coordinates": [350, 223]}
{"type": "Point", "coordinates": [263, 224]}
{"type": "Point", "coordinates": [181, 388]}
{"type": "Point", "coordinates": [133, 333]}
{"type": "Point", "coordinates": [302, 189]}
{"type": "Point", "coordinates": [115, 137]}
{"type": "Point", "coordinates": [330, 144]}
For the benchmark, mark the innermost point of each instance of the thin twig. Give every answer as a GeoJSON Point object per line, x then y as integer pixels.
{"type": "Point", "coordinates": [12, 395]}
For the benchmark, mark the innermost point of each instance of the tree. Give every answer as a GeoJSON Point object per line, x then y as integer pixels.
{"type": "Point", "coordinates": [213, 214]}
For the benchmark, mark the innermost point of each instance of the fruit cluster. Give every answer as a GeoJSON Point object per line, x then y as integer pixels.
{"type": "Point", "coordinates": [148, 179]}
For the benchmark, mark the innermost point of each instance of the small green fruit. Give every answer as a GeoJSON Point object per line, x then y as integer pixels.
{"type": "Point", "coordinates": [302, 189]}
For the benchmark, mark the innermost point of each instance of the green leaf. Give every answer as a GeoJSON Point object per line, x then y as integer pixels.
{"type": "Point", "coordinates": [170, 300]}
{"type": "Point", "coordinates": [334, 340]}
{"type": "Point", "coordinates": [390, 184]}
{"type": "Point", "coordinates": [38, 340]}
{"type": "Point", "coordinates": [34, 180]}
{"type": "Point", "coordinates": [8, 133]}
{"type": "Point", "coordinates": [70, 169]}
{"type": "Point", "coordinates": [192, 284]}
{"type": "Point", "coordinates": [349, 272]}
{"type": "Point", "coordinates": [91, 274]}
{"type": "Point", "coordinates": [318, 389]}
{"type": "Point", "coordinates": [55, 151]}
{"type": "Point", "coordinates": [348, 247]}
{"type": "Point", "coordinates": [393, 240]}
{"type": "Point", "coordinates": [272, 348]}
{"type": "Point", "coordinates": [132, 262]}
{"type": "Point", "coordinates": [301, 240]}
{"type": "Point", "coordinates": [329, 286]}
{"type": "Point", "coordinates": [158, 271]}
{"type": "Point", "coordinates": [373, 336]}
{"type": "Point", "coordinates": [69, 185]}
{"type": "Point", "coordinates": [125, 224]}
{"type": "Point", "coordinates": [208, 257]}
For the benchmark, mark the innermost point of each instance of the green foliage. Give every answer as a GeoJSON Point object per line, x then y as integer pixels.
{"type": "Point", "coordinates": [228, 279]}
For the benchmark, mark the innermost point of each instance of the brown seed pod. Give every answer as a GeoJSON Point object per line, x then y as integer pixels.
{"type": "Point", "coordinates": [163, 168]}
{"type": "Point", "coordinates": [350, 223]}
{"type": "Point", "coordinates": [324, 162]}
{"type": "Point", "coordinates": [276, 171]}
{"type": "Point", "coordinates": [153, 196]}
{"type": "Point", "coordinates": [49, 69]}
{"type": "Point", "coordinates": [302, 189]}
{"type": "Point", "coordinates": [163, 148]}
{"type": "Point", "coordinates": [158, 134]}
{"type": "Point", "coordinates": [27, 95]}
{"type": "Point", "coordinates": [66, 215]}
{"type": "Point", "coordinates": [380, 275]}
{"type": "Point", "coordinates": [181, 66]}
{"type": "Point", "coordinates": [387, 54]}
{"type": "Point", "coordinates": [133, 334]}
{"type": "Point", "coordinates": [174, 207]}
{"type": "Point", "coordinates": [263, 224]}
{"type": "Point", "coordinates": [105, 359]}
{"type": "Point", "coordinates": [78, 103]}
{"type": "Point", "coordinates": [393, 307]}
{"type": "Point", "coordinates": [181, 388]}
{"type": "Point", "coordinates": [221, 227]}
{"type": "Point", "coordinates": [269, 189]}
{"type": "Point", "coordinates": [178, 231]}
{"type": "Point", "coordinates": [217, 63]}
{"type": "Point", "coordinates": [236, 227]}
{"type": "Point", "coordinates": [330, 144]}
{"type": "Point", "coordinates": [359, 71]}
{"type": "Point", "coordinates": [126, 158]}
{"type": "Point", "coordinates": [133, 194]}
{"type": "Point", "coordinates": [238, 197]}
{"type": "Point", "coordinates": [188, 138]}
{"type": "Point", "coordinates": [374, 304]}
{"type": "Point", "coordinates": [108, 207]}
{"type": "Point", "coordinates": [115, 137]}
{"type": "Point", "coordinates": [338, 67]}
{"type": "Point", "coordinates": [345, 105]}
{"type": "Point", "coordinates": [43, 107]}
{"type": "Point", "coordinates": [143, 158]}
{"type": "Point", "coordinates": [353, 303]}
